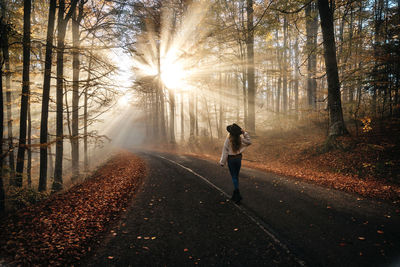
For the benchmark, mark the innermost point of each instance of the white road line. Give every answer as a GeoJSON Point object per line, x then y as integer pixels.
{"type": "Point", "coordinates": [242, 209]}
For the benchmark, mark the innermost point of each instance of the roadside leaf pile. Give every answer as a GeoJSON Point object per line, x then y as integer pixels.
{"type": "Point", "coordinates": [63, 228]}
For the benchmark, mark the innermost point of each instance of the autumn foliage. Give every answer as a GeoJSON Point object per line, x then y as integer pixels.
{"type": "Point", "coordinates": [367, 164]}
{"type": "Point", "coordinates": [61, 229]}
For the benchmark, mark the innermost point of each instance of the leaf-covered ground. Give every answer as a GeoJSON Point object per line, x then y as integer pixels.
{"type": "Point", "coordinates": [63, 228]}
{"type": "Point", "coordinates": [367, 164]}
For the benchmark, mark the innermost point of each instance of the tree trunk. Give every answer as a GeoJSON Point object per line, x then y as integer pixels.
{"type": "Point", "coordinates": [46, 97]}
{"type": "Point", "coordinates": [7, 72]}
{"type": "Point", "coordinates": [296, 77]}
{"type": "Point", "coordinates": [336, 122]}
{"type": "Point", "coordinates": [311, 45]}
{"type": "Point", "coordinates": [244, 89]}
{"type": "Point", "coordinates": [208, 119]}
{"type": "Point", "coordinates": [172, 115]}
{"type": "Point", "coordinates": [196, 115]}
{"type": "Point", "coordinates": [278, 94]}
{"type": "Point", "coordinates": [26, 43]}
{"type": "Point", "coordinates": [284, 69]}
{"type": "Point", "coordinates": [29, 164]}
{"type": "Point", "coordinates": [85, 115]}
{"type": "Point", "coordinates": [61, 25]}
{"type": "Point", "coordinates": [191, 116]}
{"type": "Point", "coordinates": [58, 182]}
{"type": "Point", "coordinates": [237, 97]}
{"type": "Point", "coordinates": [182, 120]}
{"type": "Point", "coordinates": [76, 19]}
{"type": "Point", "coordinates": [221, 109]}
{"type": "Point", "coordinates": [2, 194]}
{"type": "Point", "coordinates": [50, 171]}
{"type": "Point", "coordinates": [250, 67]}
{"type": "Point", "coordinates": [156, 114]}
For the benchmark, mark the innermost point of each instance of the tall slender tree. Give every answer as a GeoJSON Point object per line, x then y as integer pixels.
{"type": "Point", "coordinates": [250, 67]}
{"type": "Point", "coordinates": [62, 22]}
{"type": "Point", "coordinates": [311, 46]}
{"type": "Point", "coordinates": [76, 20]}
{"type": "Point", "coordinates": [7, 72]}
{"type": "Point", "coordinates": [26, 43]}
{"type": "Point", "coordinates": [46, 96]}
{"type": "Point", "coordinates": [2, 194]}
{"type": "Point", "coordinates": [172, 115]}
{"type": "Point", "coordinates": [284, 66]}
{"type": "Point", "coordinates": [336, 122]}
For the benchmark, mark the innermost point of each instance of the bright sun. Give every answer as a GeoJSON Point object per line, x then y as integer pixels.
{"type": "Point", "coordinates": [172, 75]}
{"type": "Point", "coordinates": [124, 100]}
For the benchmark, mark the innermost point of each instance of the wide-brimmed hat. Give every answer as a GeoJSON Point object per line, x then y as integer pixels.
{"type": "Point", "coordinates": [234, 129]}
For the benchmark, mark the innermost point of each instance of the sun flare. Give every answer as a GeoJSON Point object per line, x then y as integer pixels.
{"type": "Point", "coordinates": [172, 76]}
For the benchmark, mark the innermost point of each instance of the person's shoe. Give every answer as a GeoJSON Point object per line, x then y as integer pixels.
{"type": "Point", "coordinates": [238, 197]}
{"type": "Point", "coordinates": [234, 195]}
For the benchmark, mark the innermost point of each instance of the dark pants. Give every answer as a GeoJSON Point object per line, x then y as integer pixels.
{"type": "Point", "coordinates": [234, 164]}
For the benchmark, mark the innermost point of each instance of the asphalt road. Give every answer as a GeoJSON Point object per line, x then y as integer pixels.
{"type": "Point", "coordinates": [182, 216]}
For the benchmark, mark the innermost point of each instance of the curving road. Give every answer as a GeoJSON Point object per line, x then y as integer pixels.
{"type": "Point", "coordinates": [182, 216]}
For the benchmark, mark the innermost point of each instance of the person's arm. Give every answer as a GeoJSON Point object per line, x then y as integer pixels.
{"type": "Point", "coordinates": [246, 138]}
{"type": "Point", "coordinates": [225, 151]}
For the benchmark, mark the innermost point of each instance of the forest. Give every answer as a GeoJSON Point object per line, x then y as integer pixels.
{"type": "Point", "coordinates": [188, 68]}
{"type": "Point", "coordinates": [315, 83]}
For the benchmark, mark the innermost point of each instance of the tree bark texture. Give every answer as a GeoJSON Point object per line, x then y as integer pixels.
{"type": "Point", "coordinates": [250, 67]}
{"type": "Point", "coordinates": [311, 45]}
{"type": "Point", "coordinates": [26, 44]}
{"type": "Point", "coordinates": [61, 25]}
{"type": "Point", "coordinates": [29, 147]}
{"type": "Point", "coordinates": [336, 122]}
{"type": "Point", "coordinates": [46, 97]}
{"type": "Point", "coordinates": [296, 76]}
{"type": "Point", "coordinates": [76, 19]}
{"type": "Point", "coordinates": [85, 115]}
{"type": "Point", "coordinates": [284, 69]}
{"type": "Point", "coordinates": [172, 115]}
{"type": "Point", "coordinates": [2, 194]}
{"type": "Point", "coordinates": [7, 72]}
{"type": "Point", "coordinates": [191, 116]}
{"type": "Point", "coordinates": [182, 120]}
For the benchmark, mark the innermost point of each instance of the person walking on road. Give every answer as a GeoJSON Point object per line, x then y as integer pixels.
{"type": "Point", "coordinates": [234, 145]}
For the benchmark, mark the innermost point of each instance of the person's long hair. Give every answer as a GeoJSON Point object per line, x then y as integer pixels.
{"type": "Point", "coordinates": [235, 142]}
